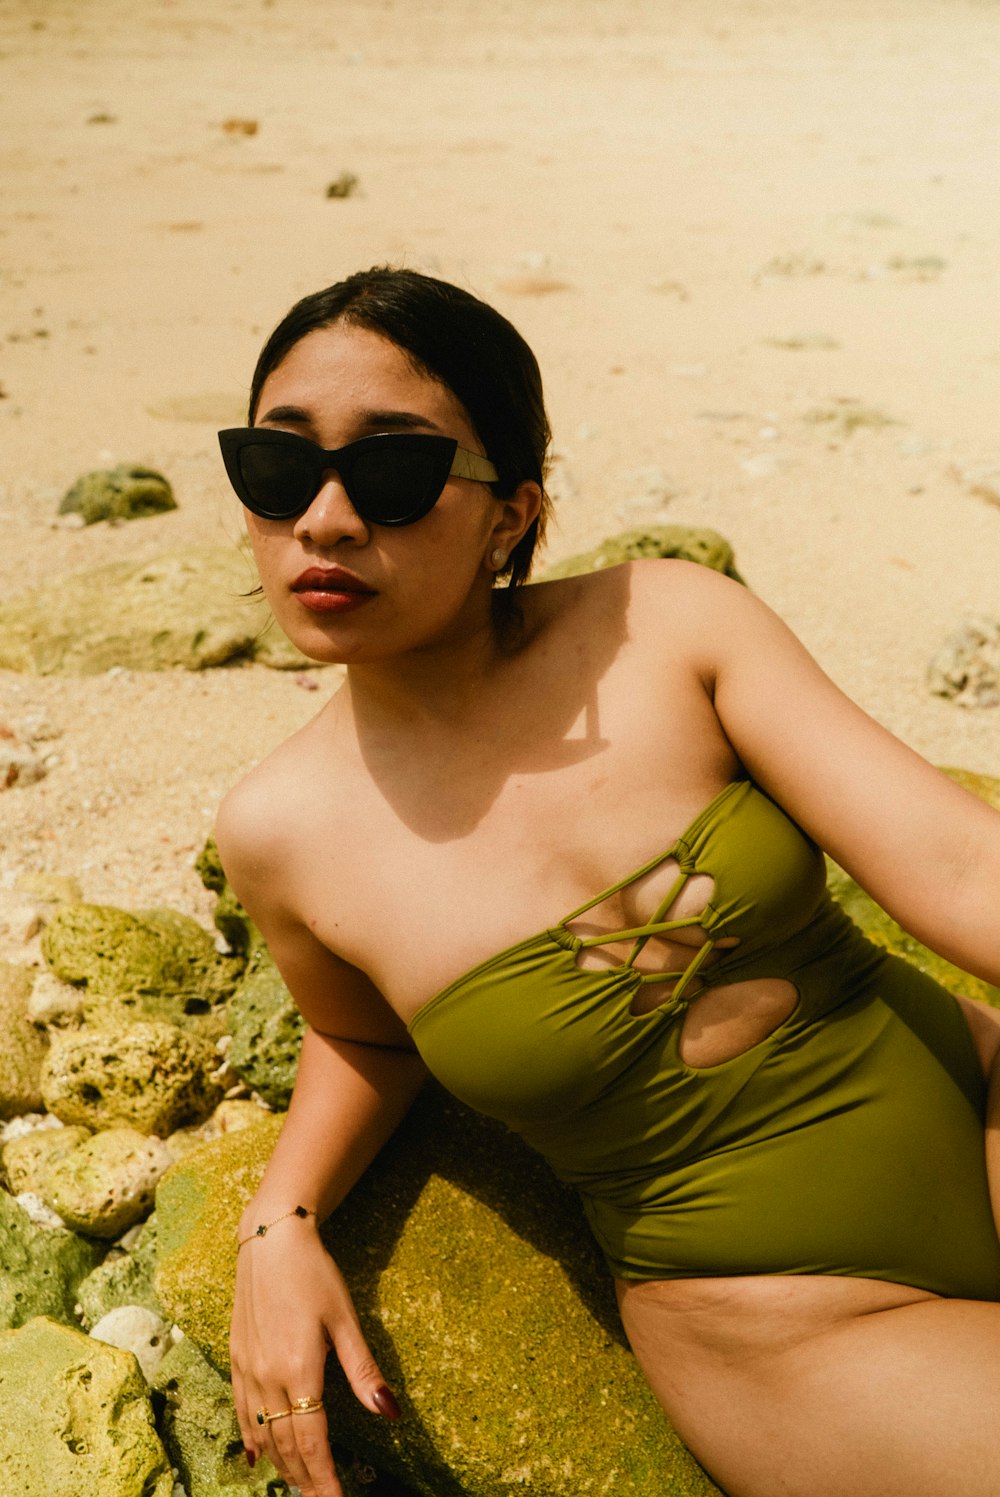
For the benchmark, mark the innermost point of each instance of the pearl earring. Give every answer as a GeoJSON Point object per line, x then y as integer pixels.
{"type": "Point", "coordinates": [498, 557]}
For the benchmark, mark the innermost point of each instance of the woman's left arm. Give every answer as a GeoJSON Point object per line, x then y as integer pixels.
{"type": "Point", "coordinates": [924, 848]}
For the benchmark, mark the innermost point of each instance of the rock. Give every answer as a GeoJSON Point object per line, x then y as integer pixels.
{"type": "Point", "coordinates": [187, 609]}
{"type": "Point", "coordinates": [26, 1160]}
{"type": "Point", "coordinates": [230, 918]}
{"type": "Point", "coordinates": [54, 1002]}
{"type": "Point", "coordinates": [124, 1278]}
{"type": "Point", "coordinates": [689, 542]}
{"type": "Point", "coordinates": [126, 492]}
{"type": "Point", "coordinates": [106, 1183]}
{"type": "Point", "coordinates": [267, 1032]}
{"type": "Point", "coordinates": [152, 1077]}
{"type": "Point", "coordinates": [23, 1049]}
{"type": "Point", "coordinates": [455, 1219]}
{"type": "Point", "coordinates": [967, 666]}
{"type": "Point", "coordinates": [200, 1430]}
{"type": "Point", "coordinates": [19, 763]}
{"type": "Point", "coordinates": [77, 1419]}
{"type": "Point", "coordinates": [884, 931]}
{"type": "Point", "coordinates": [42, 1267]}
{"type": "Point", "coordinates": [229, 1117]}
{"type": "Point", "coordinates": [38, 1212]}
{"type": "Point", "coordinates": [148, 954]}
{"type": "Point", "coordinates": [137, 1329]}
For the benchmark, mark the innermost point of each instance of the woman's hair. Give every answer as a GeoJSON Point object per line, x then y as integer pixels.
{"type": "Point", "coordinates": [461, 342]}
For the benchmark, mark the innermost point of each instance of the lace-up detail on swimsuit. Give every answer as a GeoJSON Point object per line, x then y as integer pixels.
{"type": "Point", "coordinates": [686, 980]}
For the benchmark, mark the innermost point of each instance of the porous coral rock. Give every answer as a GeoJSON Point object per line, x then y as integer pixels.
{"type": "Point", "coordinates": [455, 1219]}
{"type": "Point", "coordinates": [26, 1160]}
{"type": "Point", "coordinates": [124, 1278]}
{"type": "Point", "coordinates": [155, 953]}
{"type": "Point", "coordinates": [106, 1183]}
{"type": "Point", "coordinates": [267, 1031]}
{"type": "Point", "coordinates": [152, 1077]}
{"type": "Point", "coordinates": [24, 1048]}
{"type": "Point", "coordinates": [201, 1433]}
{"type": "Point", "coordinates": [125, 492]}
{"type": "Point", "coordinates": [692, 543]}
{"type": "Point", "coordinates": [42, 1267]}
{"type": "Point", "coordinates": [186, 609]}
{"type": "Point", "coordinates": [76, 1418]}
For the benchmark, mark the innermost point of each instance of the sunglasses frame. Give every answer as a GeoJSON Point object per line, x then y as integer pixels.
{"type": "Point", "coordinates": [453, 462]}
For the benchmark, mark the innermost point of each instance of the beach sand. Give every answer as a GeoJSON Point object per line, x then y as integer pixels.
{"type": "Point", "coordinates": [752, 243]}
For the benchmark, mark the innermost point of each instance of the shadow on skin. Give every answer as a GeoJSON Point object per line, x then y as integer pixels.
{"type": "Point", "coordinates": [435, 794]}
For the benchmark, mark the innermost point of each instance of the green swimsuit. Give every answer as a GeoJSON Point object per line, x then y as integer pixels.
{"type": "Point", "coordinates": [849, 1141]}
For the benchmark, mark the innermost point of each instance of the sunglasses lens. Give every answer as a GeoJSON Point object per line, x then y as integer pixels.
{"type": "Point", "coordinates": [281, 481]}
{"type": "Point", "coordinates": [397, 485]}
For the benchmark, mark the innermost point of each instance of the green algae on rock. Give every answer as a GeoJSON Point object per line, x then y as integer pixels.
{"type": "Point", "coordinates": [188, 609]}
{"type": "Point", "coordinates": [485, 1302]}
{"type": "Point", "coordinates": [125, 492]}
{"type": "Point", "coordinates": [691, 543]}
{"type": "Point", "coordinates": [42, 1267]}
{"type": "Point", "coordinates": [150, 1076]}
{"type": "Point", "coordinates": [267, 1031]}
{"type": "Point", "coordinates": [199, 1428]}
{"type": "Point", "coordinates": [154, 953]}
{"type": "Point", "coordinates": [107, 1183]}
{"type": "Point", "coordinates": [76, 1418]}
{"type": "Point", "coordinates": [24, 1046]}
{"type": "Point", "coordinates": [124, 1278]}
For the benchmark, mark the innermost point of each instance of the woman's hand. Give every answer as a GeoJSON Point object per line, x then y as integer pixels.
{"type": "Point", "coordinates": [291, 1306]}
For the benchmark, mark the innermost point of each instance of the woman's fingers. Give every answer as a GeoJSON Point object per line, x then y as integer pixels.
{"type": "Point", "coordinates": [360, 1367]}
{"type": "Point", "coordinates": [302, 1453]}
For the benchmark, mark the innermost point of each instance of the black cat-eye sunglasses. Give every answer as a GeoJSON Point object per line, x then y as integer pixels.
{"type": "Point", "coordinates": [390, 479]}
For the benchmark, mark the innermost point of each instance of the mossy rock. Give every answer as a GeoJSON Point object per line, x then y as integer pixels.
{"type": "Point", "coordinates": [40, 1268]}
{"type": "Point", "coordinates": [691, 543]}
{"type": "Point", "coordinates": [24, 1046]}
{"type": "Point", "coordinates": [188, 609]}
{"type": "Point", "coordinates": [230, 918]}
{"type": "Point", "coordinates": [485, 1302]}
{"type": "Point", "coordinates": [126, 492]}
{"type": "Point", "coordinates": [883, 930]}
{"type": "Point", "coordinates": [76, 1418]}
{"type": "Point", "coordinates": [122, 1279]}
{"type": "Point", "coordinates": [152, 1077]}
{"type": "Point", "coordinates": [267, 1031]}
{"type": "Point", "coordinates": [156, 964]}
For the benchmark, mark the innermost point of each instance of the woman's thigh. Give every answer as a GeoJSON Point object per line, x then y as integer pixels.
{"type": "Point", "coordinates": [901, 1401]}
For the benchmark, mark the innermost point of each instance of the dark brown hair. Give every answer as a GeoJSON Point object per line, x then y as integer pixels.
{"type": "Point", "coordinates": [461, 342]}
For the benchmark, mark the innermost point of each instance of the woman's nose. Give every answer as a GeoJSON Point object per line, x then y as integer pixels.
{"type": "Point", "coordinates": [331, 516]}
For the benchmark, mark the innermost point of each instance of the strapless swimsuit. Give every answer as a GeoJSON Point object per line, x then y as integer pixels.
{"type": "Point", "coordinates": [848, 1141]}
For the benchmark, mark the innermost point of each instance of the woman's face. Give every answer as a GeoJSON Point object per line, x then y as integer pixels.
{"type": "Point", "coordinates": [344, 589]}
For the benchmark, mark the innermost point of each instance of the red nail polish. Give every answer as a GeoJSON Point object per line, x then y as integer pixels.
{"type": "Point", "coordinates": [251, 1456]}
{"type": "Point", "coordinates": [385, 1402]}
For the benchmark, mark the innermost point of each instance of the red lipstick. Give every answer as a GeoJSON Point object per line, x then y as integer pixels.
{"type": "Point", "coordinates": [331, 590]}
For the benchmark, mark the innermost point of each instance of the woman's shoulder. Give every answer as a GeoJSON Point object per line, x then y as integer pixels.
{"type": "Point", "coordinates": [667, 600]}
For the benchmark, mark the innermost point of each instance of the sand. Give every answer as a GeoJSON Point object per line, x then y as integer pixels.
{"type": "Point", "coordinates": [732, 232]}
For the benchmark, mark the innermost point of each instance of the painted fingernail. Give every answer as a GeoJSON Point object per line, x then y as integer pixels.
{"type": "Point", "coordinates": [385, 1402]}
{"type": "Point", "coordinates": [251, 1456]}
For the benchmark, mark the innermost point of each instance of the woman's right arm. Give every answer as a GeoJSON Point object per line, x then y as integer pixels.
{"type": "Point", "coordinates": [358, 1075]}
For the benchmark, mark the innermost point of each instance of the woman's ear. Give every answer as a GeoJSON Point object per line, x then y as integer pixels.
{"type": "Point", "coordinates": [515, 517]}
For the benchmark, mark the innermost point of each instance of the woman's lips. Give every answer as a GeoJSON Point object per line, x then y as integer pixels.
{"type": "Point", "coordinates": [331, 590]}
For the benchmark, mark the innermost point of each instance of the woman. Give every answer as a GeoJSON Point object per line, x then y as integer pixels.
{"type": "Point", "coordinates": [778, 1131]}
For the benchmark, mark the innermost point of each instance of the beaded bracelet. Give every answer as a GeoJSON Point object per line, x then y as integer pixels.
{"type": "Point", "coordinates": [264, 1228]}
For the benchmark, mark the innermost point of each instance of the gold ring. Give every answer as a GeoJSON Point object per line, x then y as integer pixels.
{"type": "Point", "coordinates": [306, 1405]}
{"type": "Point", "coordinates": [264, 1417]}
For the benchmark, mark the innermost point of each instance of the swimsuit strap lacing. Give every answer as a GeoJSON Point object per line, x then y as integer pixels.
{"type": "Point", "coordinates": [656, 926]}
